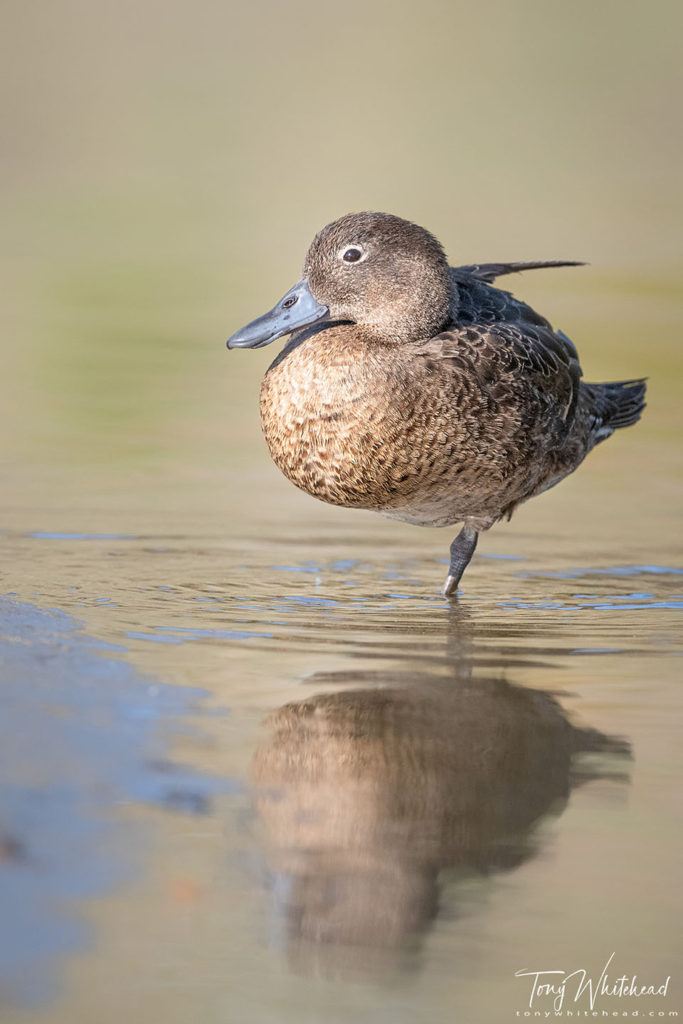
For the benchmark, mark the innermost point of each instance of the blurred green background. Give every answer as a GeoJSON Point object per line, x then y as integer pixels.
{"type": "Point", "coordinates": [166, 164]}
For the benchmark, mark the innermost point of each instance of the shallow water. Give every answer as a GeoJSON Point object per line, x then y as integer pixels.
{"type": "Point", "coordinates": [374, 804]}
{"type": "Point", "coordinates": [252, 766]}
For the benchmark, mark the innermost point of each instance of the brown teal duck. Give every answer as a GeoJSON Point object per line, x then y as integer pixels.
{"type": "Point", "coordinates": [421, 391]}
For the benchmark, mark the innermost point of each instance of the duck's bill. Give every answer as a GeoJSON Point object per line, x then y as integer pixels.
{"type": "Point", "coordinates": [296, 309]}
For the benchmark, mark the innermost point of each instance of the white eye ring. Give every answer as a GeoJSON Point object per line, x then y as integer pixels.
{"type": "Point", "coordinates": [350, 251]}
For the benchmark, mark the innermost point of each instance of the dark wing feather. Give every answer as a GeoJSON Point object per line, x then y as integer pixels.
{"type": "Point", "coordinates": [490, 271]}
{"type": "Point", "coordinates": [514, 358]}
{"type": "Point", "coordinates": [508, 345]}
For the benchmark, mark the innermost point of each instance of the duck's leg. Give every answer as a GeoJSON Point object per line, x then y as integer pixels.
{"type": "Point", "coordinates": [462, 550]}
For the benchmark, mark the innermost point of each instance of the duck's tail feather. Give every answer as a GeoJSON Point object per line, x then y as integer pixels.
{"type": "Point", "coordinates": [616, 404]}
{"type": "Point", "coordinates": [490, 271]}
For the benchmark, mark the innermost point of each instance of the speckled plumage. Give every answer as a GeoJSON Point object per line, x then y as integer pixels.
{"type": "Point", "coordinates": [427, 394]}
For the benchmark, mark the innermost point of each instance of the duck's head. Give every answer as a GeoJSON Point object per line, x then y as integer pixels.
{"type": "Point", "coordinates": [383, 273]}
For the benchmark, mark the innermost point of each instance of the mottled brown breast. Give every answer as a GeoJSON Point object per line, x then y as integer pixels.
{"type": "Point", "coordinates": [429, 434]}
{"type": "Point", "coordinates": [331, 420]}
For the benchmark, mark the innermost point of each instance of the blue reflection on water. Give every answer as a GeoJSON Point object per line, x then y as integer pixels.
{"type": "Point", "coordinates": [612, 570]}
{"type": "Point", "coordinates": [79, 736]}
{"type": "Point", "coordinates": [179, 635]}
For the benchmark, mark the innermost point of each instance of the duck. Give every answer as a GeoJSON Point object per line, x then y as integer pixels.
{"type": "Point", "coordinates": [422, 391]}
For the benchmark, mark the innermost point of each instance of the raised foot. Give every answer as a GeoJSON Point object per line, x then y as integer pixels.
{"type": "Point", "coordinates": [450, 587]}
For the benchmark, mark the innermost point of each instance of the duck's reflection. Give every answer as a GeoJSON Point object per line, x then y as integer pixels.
{"type": "Point", "coordinates": [369, 794]}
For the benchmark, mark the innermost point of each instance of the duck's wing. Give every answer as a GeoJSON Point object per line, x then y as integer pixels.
{"type": "Point", "coordinates": [506, 357]}
{"type": "Point", "coordinates": [505, 343]}
{"type": "Point", "coordinates": [490, 271]}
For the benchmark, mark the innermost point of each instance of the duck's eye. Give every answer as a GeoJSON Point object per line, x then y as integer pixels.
{"type": "Point", "coordinates": [352, 254]}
